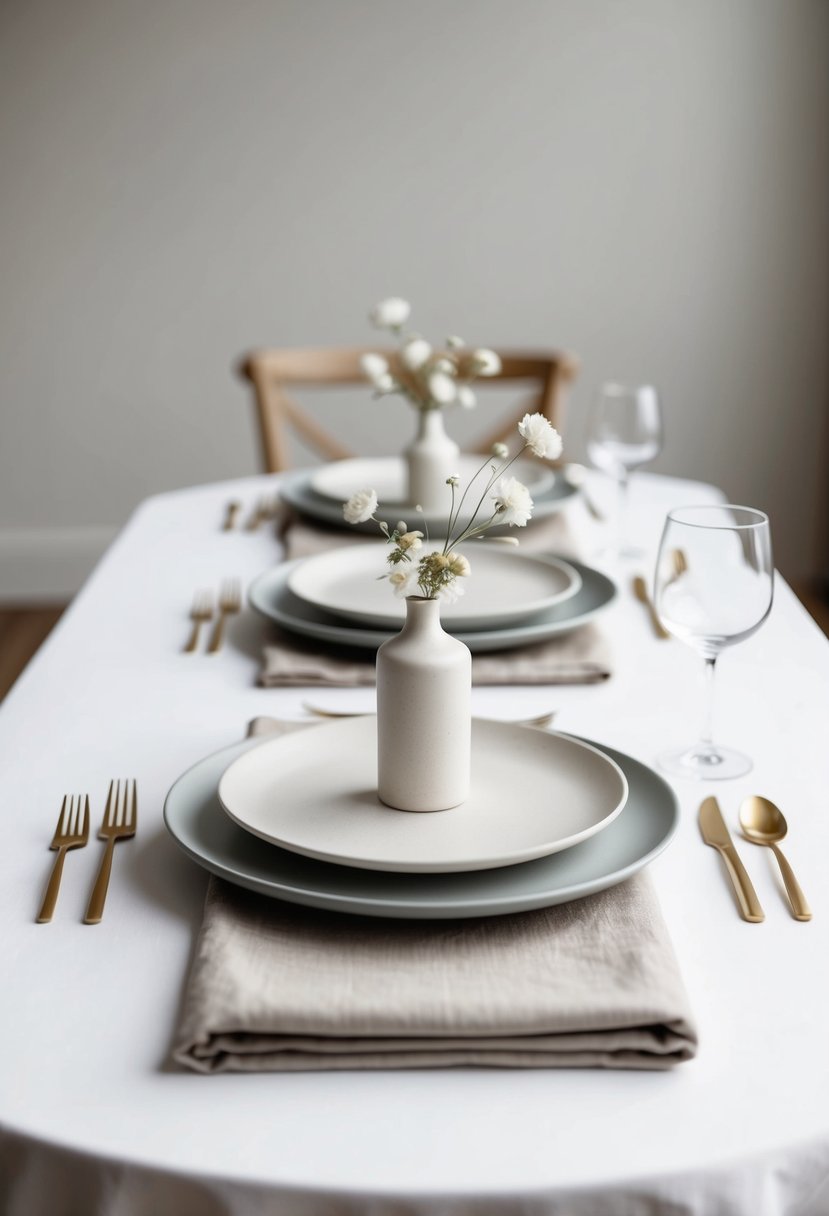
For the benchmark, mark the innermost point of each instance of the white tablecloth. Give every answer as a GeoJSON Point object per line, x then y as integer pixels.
{"type": "Point", "coordinates": [95, 1119]}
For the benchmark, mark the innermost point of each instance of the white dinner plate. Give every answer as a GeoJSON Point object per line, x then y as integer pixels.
{"type": "Point", "coordinates": [296, 490]}
{"type": "Point", "coordinates": [200, 828]}
{"type": "Point", "coordinates": [505, 587]}
{"type": "Point", "coordinates": [314, 792]}
{"type": "Point", "coordinates": [270, 595]}
{"type": "Point", "coordinates": [339, 479]}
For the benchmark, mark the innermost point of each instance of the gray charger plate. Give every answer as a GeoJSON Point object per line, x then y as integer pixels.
{"type": "Point", "coordinates": [271, 595]}
{"type": "Point", "coordinates": [200, 827]}
{"type": "Point", "coordinates": [296, 490]}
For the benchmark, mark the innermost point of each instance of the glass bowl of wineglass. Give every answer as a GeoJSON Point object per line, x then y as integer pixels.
{"type": "Point", "coordinates": [714, 587]}
{"type": "Point", "coordinates": [624, 432]}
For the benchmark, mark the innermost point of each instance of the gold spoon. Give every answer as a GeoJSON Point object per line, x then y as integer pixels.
{"type": "Point", "coordinates": [763, 823]}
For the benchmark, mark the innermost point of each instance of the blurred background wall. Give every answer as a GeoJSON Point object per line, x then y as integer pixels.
{"type": "Point", "coordinates": [645, 184]}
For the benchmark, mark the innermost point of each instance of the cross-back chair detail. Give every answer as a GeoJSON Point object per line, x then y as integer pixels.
{"type": "Point", "coordinates": [271, 372]}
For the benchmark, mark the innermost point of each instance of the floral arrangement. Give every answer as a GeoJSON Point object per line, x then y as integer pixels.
{"type": "Point", "coordinates": [437, 571]}
{"type": "Point", "coordinates": [429, 379]}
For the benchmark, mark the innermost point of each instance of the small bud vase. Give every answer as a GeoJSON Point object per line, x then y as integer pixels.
{"type": "Point", "coordinates": [424, 714]}
{"type": "Point", "coordinates": [430, 458]}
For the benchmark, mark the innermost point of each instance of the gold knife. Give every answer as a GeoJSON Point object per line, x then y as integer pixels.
{"type": "Point", "coordinates": [640, 590]}
{"type": "Point", "coordinates": [715, 833]}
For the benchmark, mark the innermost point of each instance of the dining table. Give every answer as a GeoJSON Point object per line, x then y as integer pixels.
{"type": "Point", "coordinates": [95, 1115]}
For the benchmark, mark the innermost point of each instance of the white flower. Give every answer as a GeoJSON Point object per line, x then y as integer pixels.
{"type": "Point", "coordinates": [500, 451]}
{"type": "Point", "coordinates": [415, 353]}
{"type": "Point", "coordinates": [453, 480]}
{"type": "Point", "coordinates": [486, 362]}
{"type": "Point", "coordinates": [374, 366]}
{"type": "Point", "coordinates": [451, 591]}
{"type": "Point", "coordinates": [459, 565]}
{"type": "Point", "coordinates": [442, 388]}
{"type": "Point", "coordinates": [512, 501]}
{"type": "Point", "coordinates": [360, 506]}
{"type": "Point", "coordinates": [376, 370]}
{"type": "Point", "coordinates": [402, 582]}
{"type": "Point", "coordinates": [466, 397]}
{"type": "Point", "coordinates": [410, 540]}
{"type": "Point", "coordinates": [444, 365]}
{"type": "Point", "coordinates": [400, 527]}
{"type": "Point", "coordinates": [541, 436]}
{"type": "Point", "coordinates": [390, 313]}
{"type": "Point", "coordinates": [453, 342]}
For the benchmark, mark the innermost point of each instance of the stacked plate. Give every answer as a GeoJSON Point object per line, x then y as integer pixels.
{"type": "Point", "coordinates": [341, 598]}
{"type": "Point", "coordinates": [320, 493]}
{"type": "Point", "coordinates": [550, 818]}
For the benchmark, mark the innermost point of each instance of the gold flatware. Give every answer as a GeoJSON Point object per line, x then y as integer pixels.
{"type": "Point", "coordinates": [540, 721]}
{"type": "Point", "coordinates": [716, 834]}
{"type": "Point", "coordinates": [763, 823]}
{"type": "Point", "coordinates": [231, 515]}
{"type": "Point", "coordinates": [120, 821]}
{"type": "Point", "coordinates": [265, 509]}
{"type": "Point", "coordinates": [230, 602]}
{"type": "Point", "coordinates": [679, 562]}
{"type": "Point", "coordinates": [640, 590]}
{"type": "Point", "coordinates": [70, 833]}
{"type": "Point", "coordinates": [201, 612]}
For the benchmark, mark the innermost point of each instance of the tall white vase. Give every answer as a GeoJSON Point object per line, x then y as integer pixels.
{"type": "Point", "coordinates": [431, 457]}
{"type": "Point", "coordinates": [424, 714]}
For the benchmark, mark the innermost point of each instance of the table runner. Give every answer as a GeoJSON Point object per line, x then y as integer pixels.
{"type": "Point", "coordinates": [580, 657]}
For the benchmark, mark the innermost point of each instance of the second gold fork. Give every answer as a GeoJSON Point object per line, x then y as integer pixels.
{"type": "Point", "coordinates": [230, 602]}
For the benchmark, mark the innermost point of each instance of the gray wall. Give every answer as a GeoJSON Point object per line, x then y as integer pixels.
{"type": "Point", "coordinates": [642, 183]}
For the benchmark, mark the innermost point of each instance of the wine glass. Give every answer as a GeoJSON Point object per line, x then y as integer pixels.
{"type": "Point", "coordinates": [624, 432]}
{"type": "Point", "coordinates": [713, 588]}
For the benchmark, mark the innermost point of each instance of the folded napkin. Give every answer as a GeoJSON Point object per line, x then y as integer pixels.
{"type": "Point", "coordinates": [581, 656]}
{"type": "Point", "coordinates": [593, 983]}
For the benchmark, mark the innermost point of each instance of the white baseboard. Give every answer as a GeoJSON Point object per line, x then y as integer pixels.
{"type": "Point", "coordinates": [40, 565]}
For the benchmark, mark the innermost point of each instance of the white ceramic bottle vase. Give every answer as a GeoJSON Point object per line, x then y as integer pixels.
{"type": "Point", "coordinates": [424, 714]}
{"type": "Point", "coordinates": [431, 457]}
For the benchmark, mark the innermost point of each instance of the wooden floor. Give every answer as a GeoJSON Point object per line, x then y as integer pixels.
{"type": "Point", "coordinates": [23, 628]}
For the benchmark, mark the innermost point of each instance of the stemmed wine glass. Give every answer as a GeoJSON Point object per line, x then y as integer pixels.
{"type": "Point", "coordinates": [713, 588]}
{"type": "Point", "coordinates": [624, 432]}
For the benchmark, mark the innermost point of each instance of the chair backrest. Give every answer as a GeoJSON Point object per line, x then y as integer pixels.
{"type": "Point", "coordinates": [271, 371]}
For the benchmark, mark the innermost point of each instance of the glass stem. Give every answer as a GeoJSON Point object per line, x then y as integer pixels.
{"type": "Point", "coordinates": [706, 738]}
{"type": "Point", "coordinates": [622, 512]}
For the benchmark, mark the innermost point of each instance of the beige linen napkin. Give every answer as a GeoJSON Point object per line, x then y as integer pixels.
{"type": "Point", "coordinates": [580, 657]}
{"type": "Point", "coordinates": [593, 983]}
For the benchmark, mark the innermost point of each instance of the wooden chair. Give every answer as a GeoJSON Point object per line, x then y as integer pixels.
{"type": "Point", "coordinates": [271, 372]}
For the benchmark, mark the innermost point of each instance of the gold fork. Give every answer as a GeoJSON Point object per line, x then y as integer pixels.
{"type": "Point", "coordinates": [230, 602]}
{"type": "Point", "coordinates": [201, 611]}
{"type": "Point", "coordinates": [120, 820]}
{"type": "Point", "coordinates": [69, 834]}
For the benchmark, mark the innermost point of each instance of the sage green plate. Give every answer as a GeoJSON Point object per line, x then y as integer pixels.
{"type": "Point", "coordinates": [297, 491]}
{"type": "Point", "coordinates": [271, 595]}
{"type": "Point", "coordinates": [200, 827]}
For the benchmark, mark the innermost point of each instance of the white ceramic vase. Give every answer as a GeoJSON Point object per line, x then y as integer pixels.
{"type": "Point", "coordinates": [431, 457]}
{"type": "Point", "coordinates": [424, 714]}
